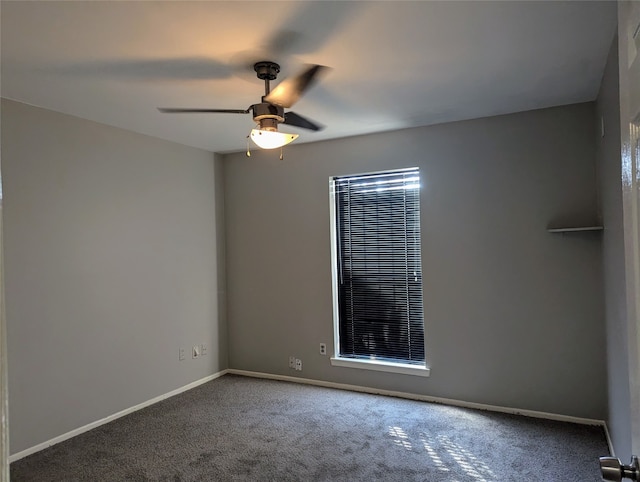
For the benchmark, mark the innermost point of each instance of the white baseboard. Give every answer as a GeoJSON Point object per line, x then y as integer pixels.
{"type": "Point", "coordinates": [122, 413]}
{"type": "Point", "coordinates": [320, 383]}
{"type": "Point", "coordinates": [423, 398]}
{"type": "Point", "coordinates": [609, 442]}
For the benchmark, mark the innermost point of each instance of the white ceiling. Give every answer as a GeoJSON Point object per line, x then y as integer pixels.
{"type": "Point", "coordinates": [394, 64]}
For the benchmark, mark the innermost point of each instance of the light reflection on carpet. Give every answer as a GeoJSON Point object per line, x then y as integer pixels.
{"type": "Point", "coordinates": [442, 447]}
{"type": "Point", "coordinates": [400, 437]}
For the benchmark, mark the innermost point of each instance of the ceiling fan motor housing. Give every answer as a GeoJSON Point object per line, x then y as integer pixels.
{"type": "Point", "coordinates": [266, 70]}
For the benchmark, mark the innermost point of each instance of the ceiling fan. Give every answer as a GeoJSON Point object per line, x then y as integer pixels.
{"type": "Point", "coordinates": [270, 111]}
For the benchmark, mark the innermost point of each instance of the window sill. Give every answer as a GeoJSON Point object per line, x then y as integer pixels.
{"type": "Point", "coordinates": [381, 366]}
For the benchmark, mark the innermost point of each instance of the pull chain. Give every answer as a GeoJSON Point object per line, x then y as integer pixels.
{"type": "Point", "coordinates": [281, 156]}
{"type": "Point", "coordinates": [248, 151]}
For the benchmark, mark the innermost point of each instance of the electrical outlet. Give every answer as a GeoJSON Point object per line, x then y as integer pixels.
{"type": "Point", "coordinates": [203, 349]}
{"type": "Point", "coordinates": [298, 364]}
{"type": "Point", "coordinates": [292, 362]}
{"type": "Point", "coordinates": [196, 351]}
{"type": "Point", "coordinates": [323, 348]}
{"type": "Point", "coordinates": [181, 355]}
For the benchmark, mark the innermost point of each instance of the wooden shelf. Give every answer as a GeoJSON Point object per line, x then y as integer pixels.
{"type": "Point", "coordinates": [575, 230]}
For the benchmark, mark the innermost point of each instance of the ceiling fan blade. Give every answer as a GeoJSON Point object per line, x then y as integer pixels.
{"type": "Point", "coordinates": [162, 69]}
{"type": "Point", "coordinates": [287, 92]}
{"type": "Point", "coordinates": [294, 119]}
{"type": "Point", "coordinates": [180, 110]}
{"type": "Point", "coordinates": [280, 42]}
{"type": "Point", "coordinates": [310, 26]}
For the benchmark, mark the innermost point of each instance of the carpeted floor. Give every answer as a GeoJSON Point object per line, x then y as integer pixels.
{"type": "Point", "coordinates": [239, 428]}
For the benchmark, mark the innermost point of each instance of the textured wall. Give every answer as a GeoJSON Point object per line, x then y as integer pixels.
{"type": "Point", "coordinates": [110, 264]}
{"type": "Point", "coordinates": [513, 314]}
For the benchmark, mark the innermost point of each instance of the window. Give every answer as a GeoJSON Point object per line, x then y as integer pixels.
{"type": "Point", "coordinates": [378, 314]}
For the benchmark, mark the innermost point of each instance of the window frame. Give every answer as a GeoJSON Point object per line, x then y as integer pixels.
{"type": "Point", "coordinates": [336, 359]}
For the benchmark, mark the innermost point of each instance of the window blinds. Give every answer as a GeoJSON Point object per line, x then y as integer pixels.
{"type": "Point", "coordinates": [379, 269]}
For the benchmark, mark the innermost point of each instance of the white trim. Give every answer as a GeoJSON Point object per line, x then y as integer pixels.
{"type": "Point", "coordinates": [381, 366]}
{"type": "Point", "coordinates": [4, 396]}
{"type": "Point", "coordinates": [110, 418]}
{"type": "Point", "coordinates": [422, 398]}
{"type": "Point", "coordinates": [574, 230]}
{"type": "Point", "coordinates": [346, 362]}
{"type": "Point", "coordinates": [390, 172]}
{"type": "Point", "coordinates": [609, 442]}
{"type": "Point", "coordinates": [334, 265]}
{"type": "Point", "coordinates": [320, 383]}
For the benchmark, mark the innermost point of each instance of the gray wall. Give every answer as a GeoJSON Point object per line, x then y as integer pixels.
{"type": "Point", "coordinates": [610, 206]}
{"type": "Point", "coordinates": [514, 315]}
{"type": "Point", "coordinates": [110, 251]}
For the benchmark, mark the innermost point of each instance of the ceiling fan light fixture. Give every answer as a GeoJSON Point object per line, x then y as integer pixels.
{"type": "Point", "coordinates": [267, 139]}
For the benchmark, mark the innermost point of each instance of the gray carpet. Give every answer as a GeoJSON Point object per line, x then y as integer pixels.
{"type": "Point", "coordinates": [239, 428]}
